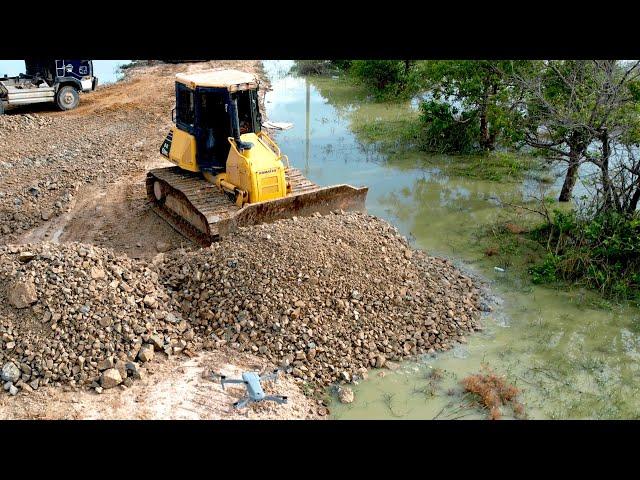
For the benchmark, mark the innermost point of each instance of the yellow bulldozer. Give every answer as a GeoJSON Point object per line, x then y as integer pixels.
{"type": "Point", "coordinates": [228, 172]}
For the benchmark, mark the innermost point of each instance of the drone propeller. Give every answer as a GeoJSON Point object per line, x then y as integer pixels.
{"type": "Point", "coordinates": [273, 375]}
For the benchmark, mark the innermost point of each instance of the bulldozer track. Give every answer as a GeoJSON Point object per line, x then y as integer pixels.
{"type": "Point", "coordinates": [201, 212]}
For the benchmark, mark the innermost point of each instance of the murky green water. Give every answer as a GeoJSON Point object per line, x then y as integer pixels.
{"type": "Point", "coordinates": [570, 359]}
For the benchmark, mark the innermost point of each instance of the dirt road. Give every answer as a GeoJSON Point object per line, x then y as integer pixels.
{"type": "Point", "coordinates": [79, 176]}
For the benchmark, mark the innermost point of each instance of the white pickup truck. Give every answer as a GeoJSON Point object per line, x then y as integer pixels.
{"type": "Point", "coordinates": [55, 81]}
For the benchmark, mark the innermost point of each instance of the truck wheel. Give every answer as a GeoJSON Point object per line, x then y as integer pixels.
{"type": "Point", "coordinates": [1, 107]}
{"type": "Point", "coordinates": [67, 98]}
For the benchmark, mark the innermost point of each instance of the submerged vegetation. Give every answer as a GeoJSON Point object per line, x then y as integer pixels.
{"type": "Point", "coordinates": [494, 166]}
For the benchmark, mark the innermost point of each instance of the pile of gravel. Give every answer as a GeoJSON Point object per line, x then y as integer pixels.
{"type": "Point", "coordinates": [70, 312]}
{"type": "Point", "coordinates": [16, 123]}
{"type": "Point", "coordinates": [41, 184]}
{"type": "Point", "coordinates": [327, 297]}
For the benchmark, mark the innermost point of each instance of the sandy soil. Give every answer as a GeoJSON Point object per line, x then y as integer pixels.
{"type": "Point", "coordinates": [176, 389]}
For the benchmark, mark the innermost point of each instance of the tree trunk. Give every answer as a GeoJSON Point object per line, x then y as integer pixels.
{"type": "Point", "coordinates": [609, 194]}
{"type": "Point", "coordinates": [571, 177]}
{"type": "Point", "coordinates": [407, 66]}
{"type": "Point", "coordinates": [633, 203]}
{"type": "Point", "coordinates": [487, 139]}
{"type": "Point", "coordinates": [484, 129]}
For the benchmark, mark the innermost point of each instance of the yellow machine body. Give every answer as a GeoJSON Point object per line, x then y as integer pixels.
{"type": "Point", "coordinates": [258, 172]}
{"type": "Point", "coordinates": [183, 150]}
{"type": "Point", "coordinates": [257, 178]}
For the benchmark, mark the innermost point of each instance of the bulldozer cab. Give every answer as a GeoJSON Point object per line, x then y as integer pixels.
{"type": "Point", "coordinates": [228, 173]}
{"type": "Point", "coordinates": [213, 106]}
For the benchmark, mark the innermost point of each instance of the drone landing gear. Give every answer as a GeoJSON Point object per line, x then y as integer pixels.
{"type": "Point", "coordinates": [244, 401]}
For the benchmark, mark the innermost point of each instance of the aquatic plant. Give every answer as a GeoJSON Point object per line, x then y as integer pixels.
{"type": "Point", "coordinates": [493, 391]}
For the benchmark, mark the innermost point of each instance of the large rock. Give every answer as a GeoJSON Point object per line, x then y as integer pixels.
{"type": "Point", "coordinates": [157, 342]}
{"type": "Point", "coordinates": [163, 246]}
{"type": "Point", "coordinates": [146, 353]}
{"type": "Point", "coordinates": [105, 364]}
{"type": "Point", "coordinates": [346, 395]}
{"type": "Point", "coordinates": [27, 256]}
{"type": "Point", "coordinates": [97, 273]}
{"type": "Point", "coordinates": [22, 293]}
{"type": "Point", "coordinates": [134, 370]}
{"type": "Point", "coordinates": [150, 301]}
{"type": "Point", "coordinates": [10, 372]}
{"type": "Point", "coordinates": [110, 378]}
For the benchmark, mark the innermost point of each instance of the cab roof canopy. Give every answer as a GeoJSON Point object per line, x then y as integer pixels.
{"type": "Point", "coordinates": [232, 80]}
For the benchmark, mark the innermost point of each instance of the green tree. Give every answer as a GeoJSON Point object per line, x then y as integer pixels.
{"type": "Point", "coordinates": [567, 105]}
{"type": "Point", "coordinates": [386, 76]}
{"type": "Point", "coordinates": [480, 88]}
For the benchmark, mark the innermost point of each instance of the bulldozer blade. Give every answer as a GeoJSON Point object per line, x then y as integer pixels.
{"type": "Point", "coordinates": [323, 200]}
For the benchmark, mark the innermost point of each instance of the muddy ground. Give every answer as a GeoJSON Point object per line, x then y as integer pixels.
{"type": "Point", "coordinates": [79, 176]}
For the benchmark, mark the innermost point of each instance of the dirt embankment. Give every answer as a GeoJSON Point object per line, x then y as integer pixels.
{"type": "Point", "coordinates": [324, 298]}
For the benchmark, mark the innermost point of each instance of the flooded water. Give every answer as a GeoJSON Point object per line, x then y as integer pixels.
{"type": "Point", "coordinates": [570, 358]}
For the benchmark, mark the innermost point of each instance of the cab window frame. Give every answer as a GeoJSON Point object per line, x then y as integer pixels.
{"type": "Point", "coordinates": [185, 108]}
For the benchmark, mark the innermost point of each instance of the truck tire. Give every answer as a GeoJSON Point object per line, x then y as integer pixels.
{"type": "Point", "coordinates": [1, 107]}
{"type": "Point", "coordinates": [67, 98]}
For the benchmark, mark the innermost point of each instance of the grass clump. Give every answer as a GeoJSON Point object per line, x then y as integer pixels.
{"type": "Point", "coordinates": [601, 253]}
{"type": "Point", "coordinates": [390, 136]}
{"type": "Point", "coordinates": [493, 166]}
{"type": "Point", "coordinates": [507, 244]}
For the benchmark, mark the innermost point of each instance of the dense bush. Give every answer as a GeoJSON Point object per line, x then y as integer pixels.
{"type": "Point", "coordinates": [602, 252]}
{"type": "Point", "coordinates": [447, 130]}
{"type": "Point", "coordinates": [312, 67]}
{"type": "Point", "coordinates": [320, 67]}
{"type": "Point", "coordinates": [385, 76]}
{"type": "Point", "coordinates": [343, 65]}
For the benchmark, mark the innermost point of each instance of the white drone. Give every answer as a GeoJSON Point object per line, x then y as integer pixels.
{"type": "Point", "coordinates": [255, 393]}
